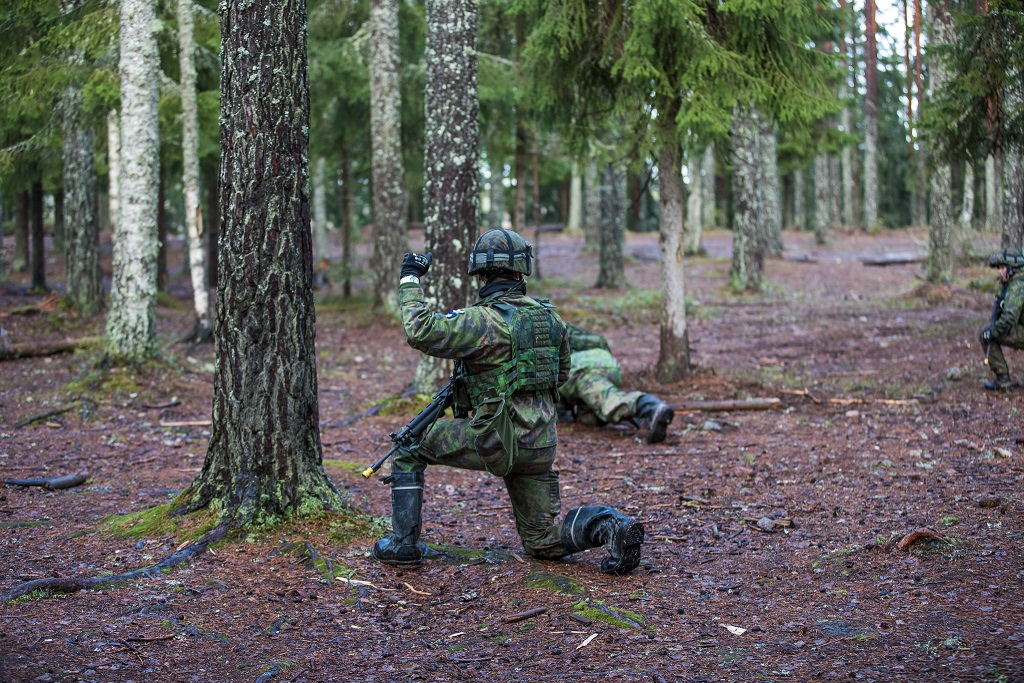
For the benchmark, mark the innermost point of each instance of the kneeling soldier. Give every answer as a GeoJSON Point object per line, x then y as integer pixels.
{"type": "Point", "coordinates": [511, 352]}
{"type": "Point", "coordinates": [1004, 328]}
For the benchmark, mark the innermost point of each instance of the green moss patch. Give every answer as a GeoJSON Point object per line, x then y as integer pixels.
{"type": "Point", "coordinates": [157, 521]}
{"type": "Point", "coordinates": [595, 610]}
{"type": "Point", "coordinates": [555, 583]}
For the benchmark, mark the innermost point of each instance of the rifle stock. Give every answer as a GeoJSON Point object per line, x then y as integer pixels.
{"type": "Point", "coordinates": [409, 436]}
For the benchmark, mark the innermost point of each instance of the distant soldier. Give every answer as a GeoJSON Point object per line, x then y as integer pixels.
{"type": "Point", "coordinates": [593, 396]}
{"type": "Point", "coordinates": [1004, 328]}
{"type": "Point", "coordinates": [511, 352]}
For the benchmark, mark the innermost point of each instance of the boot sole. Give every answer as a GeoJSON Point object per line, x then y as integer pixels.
{"type": "Point", "coordinates": [632, 542]}
{"type": "Point", "coordinates": [659, 424]}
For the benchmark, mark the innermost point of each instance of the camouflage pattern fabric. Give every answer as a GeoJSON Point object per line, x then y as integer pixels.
{"type": "Point", "coordinates": [593, 388]}
{"type": "Point", "coordinates": [479, 336]}
{"type": "Point", "coordinates": [1006, 328]}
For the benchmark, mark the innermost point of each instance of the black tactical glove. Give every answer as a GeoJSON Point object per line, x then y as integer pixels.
{"type": "Point", "coordinates": [416, 264]}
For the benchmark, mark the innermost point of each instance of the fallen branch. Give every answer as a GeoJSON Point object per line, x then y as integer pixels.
{"type": "Point", "coordinates": [188, 423]}
{"type": "Point", "coordinates": [73, 585]}
{"type": "Point", "coordinates": [725, 406]}
{"type": "Point", "coordinates": [66, 481]}
{"type": "Point", "coordinates": [50, 348]}
{"type": "Point", "coordinates": [893, 259]}
{"type": "Point", "coordinates": [42, 416]}
{"type": "Point", "coordinates": [520, 616]}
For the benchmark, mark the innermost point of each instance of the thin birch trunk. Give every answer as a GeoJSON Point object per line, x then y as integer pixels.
{"type": "Point", "coordinates": [81, 224]}
{"type": "Point", "coordinates": [674, 349]}
{"type": "Point", "coordinates": [575, 221]}
{"type": "Point", "coordinates": [452, 132]}
{"type": "Point", "coordinates": [390, 238]}
{"type": "Point", "coordinates": [708, 191]}
{"type": "Point", "coordinates": [131, 324]}
{"type": "Point", "coordinates": [800, 199]}
{"type": "Point", "coordinates": [190, 173]}
{"type": "Point", "coordinates": [496, 216]}
{"type": "Point", "coordinates": [770, 186]}
{"type": "Point", "coordinates": [870, 119]}
{"type": "Point", "coordinates": [967, 206]}
{"type": "Point", "coordinates": [748, 247]}
{"type": "Point", "coordinates": [821, 214]}
{"type": "Point", "coordinates": [320, 210]}
{"type": "Point", "coordinates": [693, 221]}
{"type": "Point", "coordinates": [993, 193]}
{"type": "Point", "coordinates": [939, 267]}
{"type": "Point", "coordinates": [612, 271]}
{"type": "Point", "coordinates": [592, 207]}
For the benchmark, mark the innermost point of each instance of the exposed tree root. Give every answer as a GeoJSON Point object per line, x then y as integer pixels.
{"type": "Point", "coordinates": [75, 584]}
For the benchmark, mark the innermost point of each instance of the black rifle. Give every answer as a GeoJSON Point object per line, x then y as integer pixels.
{"type": "Point", "coordinates": [408, 437]}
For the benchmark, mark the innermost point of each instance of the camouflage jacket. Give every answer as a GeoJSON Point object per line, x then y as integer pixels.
{"type": "Point", "coordinates": [1009, 305]}
{"type": "Point", "coordinates": [480, 337]}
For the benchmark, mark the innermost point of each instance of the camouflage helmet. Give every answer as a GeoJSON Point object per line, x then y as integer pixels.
{"type": "Point", "coordinates": [1011, 258]}
{"type": "Point", "coordinates": [501, 249]}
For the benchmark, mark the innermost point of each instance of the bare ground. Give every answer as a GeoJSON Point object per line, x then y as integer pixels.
{"type": "Point", "coordinates": [773, 549]}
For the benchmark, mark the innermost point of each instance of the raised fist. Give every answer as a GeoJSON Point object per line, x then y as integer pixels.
{"type": "Point", "coordinates": [416, 264]}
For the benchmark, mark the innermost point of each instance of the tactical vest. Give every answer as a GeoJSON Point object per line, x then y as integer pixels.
{"type": "Point", "coordinates": [532, 365]}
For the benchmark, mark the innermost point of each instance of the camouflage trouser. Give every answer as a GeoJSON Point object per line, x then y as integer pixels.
{"type": "Point", "coordinates": [996, 359]}
{"type": "Point", "coordinates": [532, 485]}
{"type": "Point", "coordinates": [594, 392]}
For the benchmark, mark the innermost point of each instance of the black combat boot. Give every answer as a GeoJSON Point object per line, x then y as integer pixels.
{"type": "Point", "coordinates": [654, 415]}
{"type": "Point", "coordinates": [402, 546]}
{"type": "Point", "coordinates": [1000, 383]}
{"type": "Point", "coordinates": [594, 526]}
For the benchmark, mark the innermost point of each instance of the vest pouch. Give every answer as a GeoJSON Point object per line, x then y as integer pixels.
{"type": "Point", "coordinates": [495, 437]}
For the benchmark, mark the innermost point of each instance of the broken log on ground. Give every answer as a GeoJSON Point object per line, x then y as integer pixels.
{"type": "Point", "coordinates": [726, 406]}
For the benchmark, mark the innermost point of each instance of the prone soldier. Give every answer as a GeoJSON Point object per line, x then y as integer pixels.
{"type": "Point", "coordinates": [593, 395]}
{"type": "Point", "coordinates": [511, 352]}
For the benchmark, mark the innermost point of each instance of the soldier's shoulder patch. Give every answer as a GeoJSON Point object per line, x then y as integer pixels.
{"type": "Point", "coordinates": [452, 314]}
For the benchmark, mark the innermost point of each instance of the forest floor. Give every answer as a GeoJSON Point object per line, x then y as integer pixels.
{"type": "Point", "coordinates": [773, 548]}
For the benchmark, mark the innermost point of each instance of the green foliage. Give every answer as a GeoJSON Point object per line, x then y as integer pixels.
{"type": "Point", "coordinates": [971, 117]}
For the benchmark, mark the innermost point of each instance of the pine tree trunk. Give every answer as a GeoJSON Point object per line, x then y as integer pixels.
{"type": "Point", "coordinates": [870, 118]}
{"type": "Point", "coordinates": [674, 349]}
{"type": "Point", "coordinates": [38, 240]}
{"type": "Point", "coordinates": [592, 207]}
{"type": "Point", "coordinates": [264, 459]}
{"type": "Point", "coordinates": [821, 215]}
{"type": "Point", "coordinates": [535, 177]}
{"type": "Point", "coordinates": [212, 229]}
{"type": "Point", "coordinates": [190, 172]}
{"type": "Point", "coordinates": [113, 169]}
{"type": "Point", "coordinates": [846, 162]}
{"type": "Point", "coordinates": [131, 323]}
{"type": "Point", "coordinates": [347, 222]}
{"type": "Point", "coordinates": [920, 197]}
{"type": "Point", "coordinates": [612, 270]}
{"type": "Point", "coordinates": [82, 253]}
{"type": "Point", "coordinates": [748, 246]}
{"type": "Point", "coordinates": [161, 228]}
{"type": "Point", "coordinates": [390, 238]}
{"type": "Point", "coordinates": [22, 201]}
{"type": "Point", "coordinates": [320, 210]}
{"type": "Point", "coordinates": [452, 138]}
{"type": "Point", "coordinates": [994, 193]}
{"type": "Point", "coordinates": [574, 224]}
